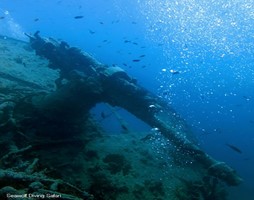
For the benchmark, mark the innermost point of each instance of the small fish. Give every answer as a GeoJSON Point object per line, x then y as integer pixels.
{"type": "Point", "coordinates": [101, 23]}
{"type": "Point", "coordinates": [104, 40]}
{"type": "Point", "coordinates": [36, 19]}
{"type": "Point", "coordinates": [144, 66]}
{"type": "Point", "coordinates": [91, 32]}
{"type": "Point", "coordinates": [172, 71]}
{"type": "Point", "coordinates": [134, 22]}
{"type": "Point", "coordinates": [135, 43]}
{"type": "Point", "coordinates": [127, 41]}
{"type": "Point", "coordinates": [124, 127]}
{"type": "Point", "coordinates": [135, 60]}
{"type": "Point", "coordinates": [125, 64]}
{"type": "Point", "coordinates": [236, 149]}
{"type": "Point", "coordinates": [2, 17]}
{"type": "Point", "coordinates": [79, 17]}
{"type": "Point", "coordinates": [142, 56]}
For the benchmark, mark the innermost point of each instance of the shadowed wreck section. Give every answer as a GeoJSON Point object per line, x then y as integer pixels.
{"type": "Point", "coordinates": [148, 107]}
{"type": "Point", "coordinates": [61, 119]}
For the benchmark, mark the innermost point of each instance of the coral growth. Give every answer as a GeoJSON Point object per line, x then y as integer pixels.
{"type": "Point", "coordinates": [104, 189]}
{"type": "Point", "coordinates": [209, 188]}
{"type": "Point", "coordinates": [117, 163]}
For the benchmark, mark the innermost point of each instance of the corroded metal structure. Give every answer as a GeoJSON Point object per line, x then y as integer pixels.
{"type": "Point", "coordinates": [84, 82]}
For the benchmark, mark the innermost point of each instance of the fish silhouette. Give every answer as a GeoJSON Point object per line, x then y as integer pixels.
{"type": "Point", "coordinates": [78, 17]}
{"type": "Point", "coordinates": [236, 149]}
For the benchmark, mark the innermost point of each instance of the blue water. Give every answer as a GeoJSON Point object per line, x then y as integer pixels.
{"type": "Point", "coordinates": [210, 44]}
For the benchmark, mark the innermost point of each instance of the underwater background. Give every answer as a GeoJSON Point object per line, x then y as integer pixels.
{"type": "Point", "coordinates": [197, 55]}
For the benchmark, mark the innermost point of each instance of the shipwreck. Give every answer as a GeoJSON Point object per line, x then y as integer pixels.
{"type": "Point", "coordinates": [51, 143]}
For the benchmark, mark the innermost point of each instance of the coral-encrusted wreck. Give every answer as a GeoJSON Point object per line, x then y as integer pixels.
{"type": "Point", "coordinates": [52, 145]}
